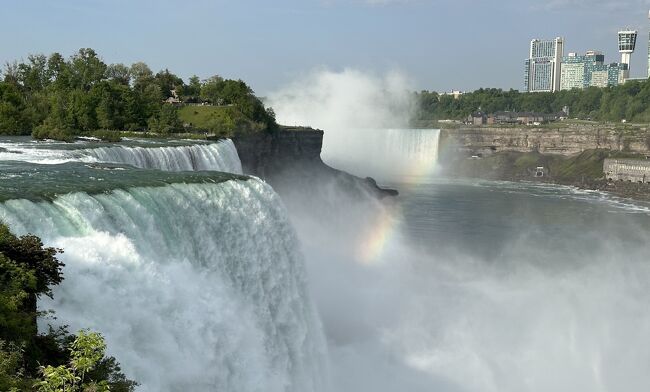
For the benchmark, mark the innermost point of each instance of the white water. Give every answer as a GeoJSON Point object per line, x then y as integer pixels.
{"type": "Point", "coordinates": [221, 156]}
{"type": "Point", "coordinates": [216, 156]}
{"type": "Point", "coordinates": [196, 287]}
{"type": "Point", "coordinates": [384, 154]}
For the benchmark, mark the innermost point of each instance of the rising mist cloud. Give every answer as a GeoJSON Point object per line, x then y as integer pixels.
{"type": "Point", "coordinates": [347, 99]}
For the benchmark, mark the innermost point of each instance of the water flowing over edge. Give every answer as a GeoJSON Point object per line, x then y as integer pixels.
{"type": "Point", "coordinates": [196, 286]}
{"type": "Point", "coordinates": [219, 156]}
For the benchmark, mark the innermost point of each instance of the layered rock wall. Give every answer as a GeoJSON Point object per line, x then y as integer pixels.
{"type": "Point", "coordinates": [563, 140]}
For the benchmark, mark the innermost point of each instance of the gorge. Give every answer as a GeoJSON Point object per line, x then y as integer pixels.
{"type": "Point", "coordinates": [206, 280]}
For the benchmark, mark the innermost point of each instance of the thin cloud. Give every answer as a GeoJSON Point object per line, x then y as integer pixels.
{"type": "Point", "coordinates": [605, 5]}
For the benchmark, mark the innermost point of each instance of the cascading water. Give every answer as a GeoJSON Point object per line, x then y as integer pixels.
{"type": "Point", "coordinates": [196, 287]}
{"type": "Point", "coordinates": [383, 154]}
{"type": "Point", "coordinates": [220, 156]}
{"type": "Point", "coordinates": [216, 156]}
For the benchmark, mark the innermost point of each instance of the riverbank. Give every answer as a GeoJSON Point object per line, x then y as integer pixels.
{"type": "Point", "coordinates": [583, 170]}
{"type": "Point", "coordinates": [558, 153]}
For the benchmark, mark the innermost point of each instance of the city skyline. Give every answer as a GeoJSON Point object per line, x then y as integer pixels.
{"type": "Point", "coordinates": [435, 44]}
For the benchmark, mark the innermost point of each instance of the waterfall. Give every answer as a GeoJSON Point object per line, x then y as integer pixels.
{"type": "Point", "coordinates": [220, 156]}
{"type": "Point", "coordinates": [196, 287]}
{"type": "Point", "coordinates": [385, 154]}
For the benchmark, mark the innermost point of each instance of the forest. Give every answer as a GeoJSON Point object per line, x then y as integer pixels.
{"type": "Point", "coordinates": [629, 101]}
{"type": "Point", "coordinates": [54, 97]}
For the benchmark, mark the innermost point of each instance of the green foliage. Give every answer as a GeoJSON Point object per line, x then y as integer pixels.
{"type": "Point", "coordinates": [629, 101]}
{"type": "Point", "coordinates": [166, 121]}
{"type": "Point", "coordinates": [219, 91]}
{"type": "Point", "coordinates": [57, 98]}
{"type": "Point", "coordinates": [66, 363]}
{"type": "Point", "coordinates": [106, 135]}
{"type": "Point", "coordinates": [28, 251]}
{"type": "Point", "coordinates": [220, 120]}
{"type": "Point", "coordinates": [11, 371]}
{"type": "Point", "coordinates": [17, 285]}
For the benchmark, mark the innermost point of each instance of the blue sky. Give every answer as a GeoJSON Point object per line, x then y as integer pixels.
{"type": "Point", "coordinates": [438, 44]}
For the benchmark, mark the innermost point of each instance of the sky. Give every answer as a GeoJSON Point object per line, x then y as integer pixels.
{"type": "Point", "coordinates": [439, 45]}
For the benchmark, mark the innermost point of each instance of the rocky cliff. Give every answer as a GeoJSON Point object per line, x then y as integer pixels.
{"type": "Point", "coordinates": [291, 156]}
{"type": "Point", "coordinates": [549, 139]}
{"type": "Point", "coordinates": [571, 155]}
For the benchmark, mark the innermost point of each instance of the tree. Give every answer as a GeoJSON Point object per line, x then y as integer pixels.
{"type": "Point", "coordinates": [167, 82]}
{"type": "Point", "coordinates": [119, 73]}
{"type": "Point", "coordinates": [12, 110]}
{"type": "Point", "coordinates": [27, 270]}
{"type": "Point", "coordinates": [86, 352]}
{"type": "Point", "coordinates": [86, 69]}
{"type": "Point", "coordinates": [166, 120]}
{"type": "Point", "coordinates": [193, 88]}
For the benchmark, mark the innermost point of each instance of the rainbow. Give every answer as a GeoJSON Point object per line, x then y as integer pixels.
{"type": "Point", "coordinates": [376, 240]}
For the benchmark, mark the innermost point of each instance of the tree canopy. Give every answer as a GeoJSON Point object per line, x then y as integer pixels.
{"type": "Point", "coordinates": [51, 96]}
{"type": "Point", "coordinates": [630, 101]}
{"type": "Point", "coordinates": [54, 361]}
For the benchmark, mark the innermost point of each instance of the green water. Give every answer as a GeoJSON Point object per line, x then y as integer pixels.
{"type": "Point", "coordinates": [24, 180]}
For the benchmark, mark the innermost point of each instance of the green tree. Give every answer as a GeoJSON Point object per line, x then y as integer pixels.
{"type": "Point", "coordinates": [86, 352]}
{"type": "Point", "coordinates": [166, 120]}
{"type": "Point", "coordinates": [119, 73]}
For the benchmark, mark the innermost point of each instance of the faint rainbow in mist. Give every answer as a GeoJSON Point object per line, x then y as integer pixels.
{"type": "Point", "coordinates": [376, 240]}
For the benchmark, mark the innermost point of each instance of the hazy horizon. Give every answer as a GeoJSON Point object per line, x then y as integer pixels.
{"type": "Point", "coordinates": [440, 46]}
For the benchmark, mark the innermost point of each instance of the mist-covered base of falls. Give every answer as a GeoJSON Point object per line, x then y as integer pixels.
{"type": "Point", "coordinates": [478, 286]}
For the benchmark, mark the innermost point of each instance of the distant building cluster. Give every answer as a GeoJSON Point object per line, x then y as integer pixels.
{"type": "Point", "coordinates": [547, 69]}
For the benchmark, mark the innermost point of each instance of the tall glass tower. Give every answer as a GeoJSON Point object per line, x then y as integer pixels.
{"type": "Point", "coordinates": [543, 66]}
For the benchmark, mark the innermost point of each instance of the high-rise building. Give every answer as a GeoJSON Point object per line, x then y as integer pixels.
{"type": "Point", "coordinates": [543, 66]}
{"type": "Point", "coordinates": [608, 75]}
{"type": "Point", "coordinates": [576, 71]}
{"type": "Point", "coordinates": [649, 49]}
{"type": "Point", "coordinates": [626, 46]}
{"type": "Point", "coordinates": [591, 70]}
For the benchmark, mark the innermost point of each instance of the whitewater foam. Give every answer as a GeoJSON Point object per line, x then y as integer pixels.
{"type": "Point", "coordinates": [220, 156]}
{"type": "Point", "coordinates": [196, 287]}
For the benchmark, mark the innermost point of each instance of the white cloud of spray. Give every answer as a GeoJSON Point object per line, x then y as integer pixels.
{"type": "Point", "coordinates": [357, 111]}
{"type": "Point", "coordinates": [565, 313]}
{"type": "Point", "coordinates": [336, 101]}
{"type": "Point", "coordinates": [525, 313]}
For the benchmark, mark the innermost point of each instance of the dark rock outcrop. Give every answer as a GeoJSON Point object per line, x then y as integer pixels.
{"type": "Point", "coordinates": [291, 156]}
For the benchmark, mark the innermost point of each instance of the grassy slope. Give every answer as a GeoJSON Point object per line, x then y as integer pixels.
{"type": "Point", "coordinates": [586, 166]}
{"type": "Point", "coordinates": [220, 120]}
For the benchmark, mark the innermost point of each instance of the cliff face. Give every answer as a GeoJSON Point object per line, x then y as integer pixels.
{"type": "Point", "coordinates": [291, 157]}
{"type": "Point", "coordinates": [563, 140]}
{"type": "Point", "coordinates": [571, 155]}
{"type": "Point", "coordinates": [264, 155]}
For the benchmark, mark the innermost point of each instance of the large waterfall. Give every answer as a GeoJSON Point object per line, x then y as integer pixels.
{"type": "Point", "coordinates": [196, 287]}
{"type": "Point", "coordinates": [384, 154]}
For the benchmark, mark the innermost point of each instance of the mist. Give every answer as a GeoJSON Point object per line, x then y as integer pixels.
{"type": "Point", "coordinates": [470, 285]}
{"type": "Point", "coordinates": [359, 113]}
